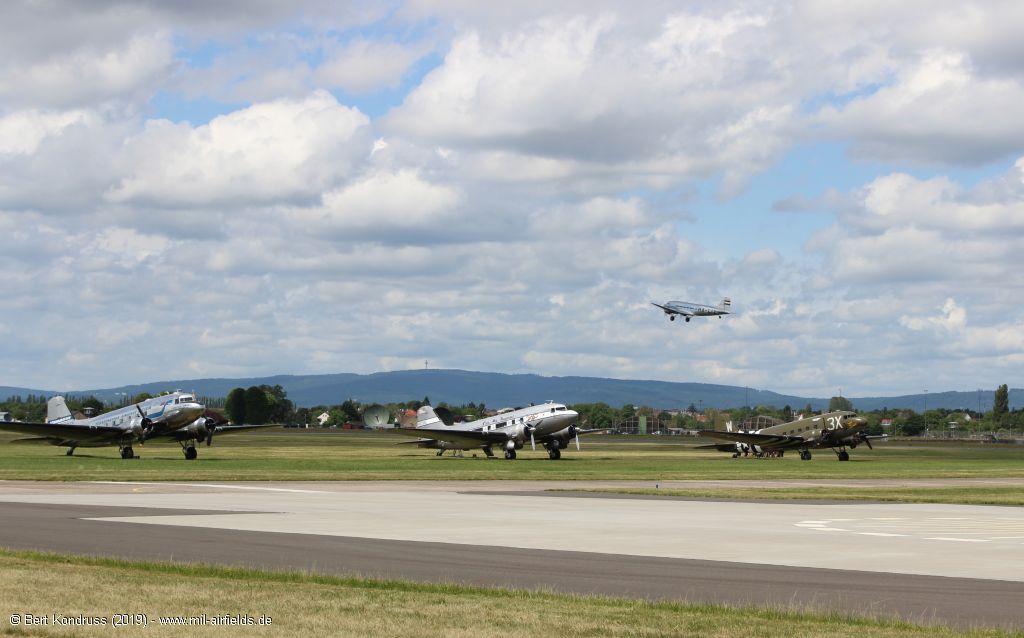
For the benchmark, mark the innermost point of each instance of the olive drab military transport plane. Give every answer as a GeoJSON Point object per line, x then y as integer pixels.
{"type": "Point", "coordinates": [177, 416]}
{"type": "Point", "coordinates": [835, 430]}
{"type": "Point", "coordinates": [688, 310]}
{"type": "Point", "coordinates": [550, 424]}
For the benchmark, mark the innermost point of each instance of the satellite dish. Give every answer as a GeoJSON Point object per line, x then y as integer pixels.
{"type": "Point", "coordinates": [376, 416]}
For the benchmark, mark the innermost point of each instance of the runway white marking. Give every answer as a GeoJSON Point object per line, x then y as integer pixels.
{"type": "Point", "coordinates": [934, 528]}
{"type": "Point", "coordinates": [212, 485]}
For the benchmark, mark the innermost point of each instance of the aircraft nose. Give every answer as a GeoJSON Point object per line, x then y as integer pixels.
{"type": "Point", "coordinates": [855, 421]}
{"type": "Point", "coordinates": [193, 410]}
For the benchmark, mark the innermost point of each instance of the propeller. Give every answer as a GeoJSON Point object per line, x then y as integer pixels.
{"type": "Point", "coordinates": [210, 428]}
{"type": "Point", "coordinates": [147, 425]}
{"type": "Point", "coordinates": [866, 439]}
{"type": "Point", "coordinates": [527, 429]}
{"type": "Point", "coordinates": [575, 433]}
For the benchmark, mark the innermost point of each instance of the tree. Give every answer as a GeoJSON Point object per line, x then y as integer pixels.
{"type": "Point", "coordinates": [257, 407]}
{"type": "Point", "coordinates": [234, 405]}
{"type": "Point", "coordinates": [351, 410]}
{"type": "Point", "coordinates": [1001, 404]}
{"type": "Point", "coordinates": [839, 403]}
{"type": "Point", "coordinates": [787, 413]}
{"type": "Point", "coordinates": [913, 424]}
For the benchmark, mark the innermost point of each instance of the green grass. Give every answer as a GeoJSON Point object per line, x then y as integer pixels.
{"type": "Point", "coordinates": [962, 495]}
{"type": "Point", "coordinates": [291, 455]}
{"type": "Point", "coordinates": [302, 604]}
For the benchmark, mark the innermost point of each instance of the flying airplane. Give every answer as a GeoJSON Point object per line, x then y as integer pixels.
{"type": "Point", "coordinates": [835, 430]}
{"type": "Point", "coordinates": [688, 309]}
{"type": "Point", "coordinates": [551, 424]}
{"type": "Point", "coordinates": [177, 416]}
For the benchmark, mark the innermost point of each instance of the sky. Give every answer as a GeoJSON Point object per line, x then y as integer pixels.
{"type": "Point", "coordinates": [245, 188]}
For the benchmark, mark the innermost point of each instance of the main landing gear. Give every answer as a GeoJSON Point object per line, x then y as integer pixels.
{"type": "Point", "coordinates": [843, 455]}
{"type": "Point", "coordinates": [805, 455]}
{"type": "Point", "coordinates": [127, 452]}
{"type": "Point", "coordinates": [71, 450]}
{"type": "Point", "coordinates": [189, 448]}
{"type": "Point", "coordinates": [554, 453]}
{"type": "Point", "coordinates": [510, 455]}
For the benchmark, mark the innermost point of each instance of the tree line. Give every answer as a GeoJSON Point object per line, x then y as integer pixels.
{"type": "Point", "coordinates": [270, 404]}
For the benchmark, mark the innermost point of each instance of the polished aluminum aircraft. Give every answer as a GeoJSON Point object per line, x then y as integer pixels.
{"type": "Point", "coordinates": [177, 416]}
{"type": "Point", "coordinates": [688, 309]}
{"type": "Point", "coordinates": [551, 424]}
{"type": "Point", "coordinates": [835, 430]}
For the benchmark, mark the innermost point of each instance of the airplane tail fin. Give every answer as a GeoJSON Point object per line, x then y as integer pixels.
{"type": "Point", "coordinates": [726, 304]}
{"type": "Point", "coordinates": [57, 410]}
{"type": "Point", "coordinates": [426, 417]}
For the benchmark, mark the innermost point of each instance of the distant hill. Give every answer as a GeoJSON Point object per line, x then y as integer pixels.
{"type": "Point", "coordinates": [501, 390]}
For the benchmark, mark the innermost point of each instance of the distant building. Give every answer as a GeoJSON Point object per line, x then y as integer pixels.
{"type": "Point", "coordinates": [323, 419]}
{"type": "Point", "coordinates": [5, 416]}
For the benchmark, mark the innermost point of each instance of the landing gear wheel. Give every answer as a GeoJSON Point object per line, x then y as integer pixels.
{"type": "Point", "coordinates": [191, 454]}
{"type": "Point", "coordinates": [555, 453]}
{"type": "Point", "coordinates": [127, 453]}
{"type": "Point", "coordinates": [510, 455]}
{"type": "Point", "coordinates": [805, 455]}
{"type": "Point", "coordinates": [71, 451]}
{"type": "Point", "coordinates": [843, 455]}
{"type": "Point", "coordinates": [672, 318]}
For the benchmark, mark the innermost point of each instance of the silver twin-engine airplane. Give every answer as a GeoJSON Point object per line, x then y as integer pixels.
{"type": "Point", "coordinates": [550, 424]}
{"type": "Point", "coordinates": [835, 430]}
{"type": "Point", "coordinates": [687, 309]}
{"type": "Point", "coordinates": [177, 416]}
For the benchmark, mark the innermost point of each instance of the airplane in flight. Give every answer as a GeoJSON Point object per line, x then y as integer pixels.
{"type": "Point", "coordinates": [687, 309]}
{"type": "Point", "coordinates": [177, 416]}
{"type": "Point", "coordinates": [551, 424]}
{"type": "Point", "coordinates": [835, 430]}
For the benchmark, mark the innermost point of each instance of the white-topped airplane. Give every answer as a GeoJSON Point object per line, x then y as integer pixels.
{"type": "Point", "coordinates": [550, 424]}
{"type": "Point", "coordinates": [177, 416]}
{"type": "Point", "coordinates": [688, 309]}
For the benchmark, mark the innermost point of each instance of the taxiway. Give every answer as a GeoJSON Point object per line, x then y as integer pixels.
{"type": "Point", "coordinates": [949, 563]}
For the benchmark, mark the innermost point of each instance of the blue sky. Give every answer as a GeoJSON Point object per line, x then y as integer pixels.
{"type": "Point", "coordinates": [313, 188]}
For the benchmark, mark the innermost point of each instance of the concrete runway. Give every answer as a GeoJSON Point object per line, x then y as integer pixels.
{"type": "Point", "coordinates": [960, 565]}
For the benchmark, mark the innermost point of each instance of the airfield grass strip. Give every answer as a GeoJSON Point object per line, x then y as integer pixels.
{"type": "Point", "coordinates": [303, 604]}
{"type": "Point", "coordinates": [295, 455]}
{"type": "Point", "coordinates": [960, 495]}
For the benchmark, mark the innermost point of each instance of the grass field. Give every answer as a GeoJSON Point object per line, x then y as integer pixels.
{"type": "Point", "coordinates": [962, 495]}
{"type": "Point", "coordinates": [286, 455]}
{"type": "Point", "coordinates": [310, 605]}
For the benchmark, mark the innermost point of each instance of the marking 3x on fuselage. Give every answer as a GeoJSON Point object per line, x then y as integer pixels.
{"type": "Point", "coordinates": [835, 430]}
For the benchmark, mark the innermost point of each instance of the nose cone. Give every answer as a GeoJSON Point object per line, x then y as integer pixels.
{"type": "Point", "coordinates": [191, 411]}
{"type": "Point", "coordinates": [854, 421]}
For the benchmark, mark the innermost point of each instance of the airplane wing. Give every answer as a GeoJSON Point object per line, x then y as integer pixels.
{"type": "Point", "coordinates": [777, 441]}
{"type": "Point", "coordinates": [184, 434]}
{"type": "Point", "coordinates": [466, 437]}
{"type": "Point", "coordinates": [669, 310]}
{"type": "Point", "coordinates": [66, 431]}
